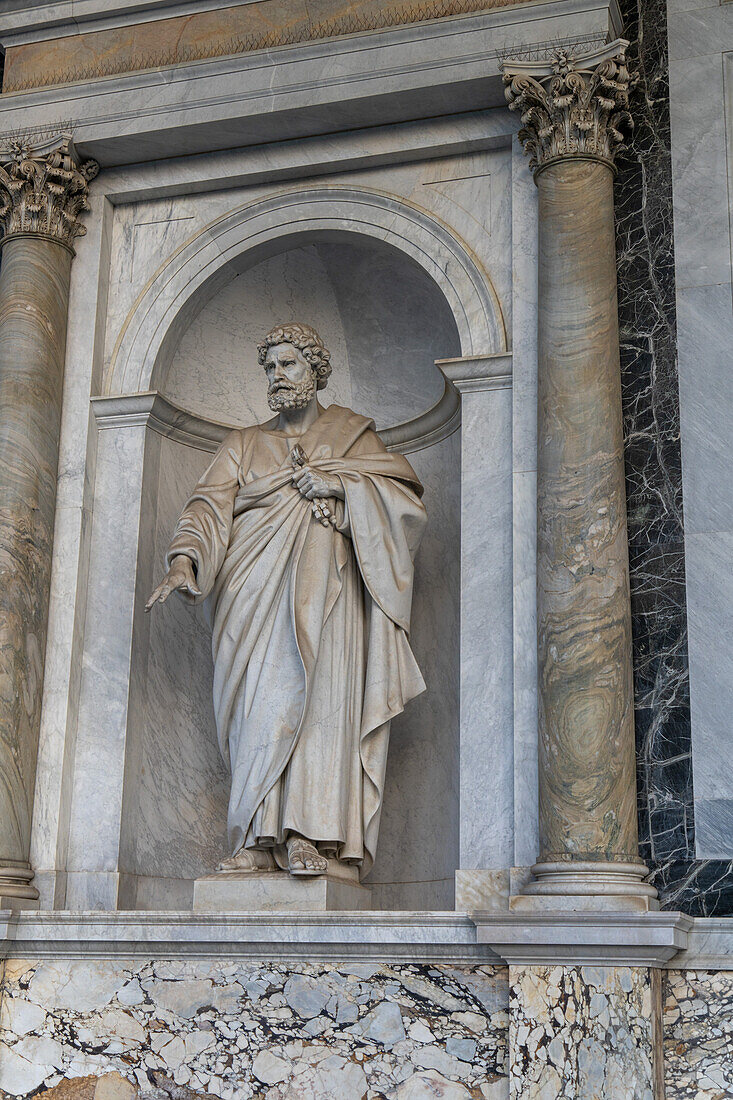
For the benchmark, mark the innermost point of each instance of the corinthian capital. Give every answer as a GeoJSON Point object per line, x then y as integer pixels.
{"type": "Point", "coordinates": [43, 188]}
{"type": "Point", "coordinates": [571, 106]}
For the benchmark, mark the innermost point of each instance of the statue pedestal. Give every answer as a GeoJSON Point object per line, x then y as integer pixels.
{"type": "Point", "coordinates": [265, 891]}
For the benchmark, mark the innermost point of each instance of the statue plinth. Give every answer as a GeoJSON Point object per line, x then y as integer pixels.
{"type": "Point", "coordinates": [267, 891]}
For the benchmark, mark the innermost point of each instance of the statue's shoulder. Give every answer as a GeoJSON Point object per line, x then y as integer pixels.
{"type": "Point", "coordinates": [348, 417]}
{"type": "Point", "coordinates": [234, 439]}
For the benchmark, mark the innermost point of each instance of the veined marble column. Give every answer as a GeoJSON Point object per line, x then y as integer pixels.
{"type": "Point", "coordinates": [43, 190]}
{"type": "Point", "coordinates": [574, 117]}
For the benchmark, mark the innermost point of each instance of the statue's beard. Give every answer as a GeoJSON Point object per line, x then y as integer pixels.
{"type": "Point", "coordinates": [292, 395]}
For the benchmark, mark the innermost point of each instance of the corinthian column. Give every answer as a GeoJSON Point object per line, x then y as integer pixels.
{"type": "Point", "coordinates": [574, 118]}
{"type": "Point", "coordinates": [43, 190]}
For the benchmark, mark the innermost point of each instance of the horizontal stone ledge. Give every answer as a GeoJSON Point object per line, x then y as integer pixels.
{"type": "Point", "coordinates": [584, 938]}
{"type": "Point", "coordinates": [388, 936]}
{"type": "Point", "coordinates": [572, 939]}
{"type": "Point", "coordinates": [709, 945]}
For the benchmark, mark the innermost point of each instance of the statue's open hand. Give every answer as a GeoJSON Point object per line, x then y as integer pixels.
{"type": "Point", "coordinates": [312, 484]}
{"type": "Point", "coordinates": [180, 577]}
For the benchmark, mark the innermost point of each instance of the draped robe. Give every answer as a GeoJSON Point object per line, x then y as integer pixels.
{"type": "Point", "coordinates": [309, 628]}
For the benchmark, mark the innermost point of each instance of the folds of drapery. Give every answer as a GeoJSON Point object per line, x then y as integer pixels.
{"type": "Point", "coordinates": [259, 552]}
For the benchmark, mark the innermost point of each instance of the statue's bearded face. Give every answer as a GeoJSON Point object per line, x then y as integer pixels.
{"type": "Point", "coordinates": [291, 381]}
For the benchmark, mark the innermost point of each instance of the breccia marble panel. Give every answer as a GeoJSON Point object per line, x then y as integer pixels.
{"type": "Point", "coordinates": [354, 1030]}
{"type": "Point", "coordinates": [581, 1031]}
{"type": "Point", "coordinates": [698, 1034]}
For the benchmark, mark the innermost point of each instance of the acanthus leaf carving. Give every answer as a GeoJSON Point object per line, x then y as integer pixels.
{"type": "Point", "coordinates": [572, 106]}
{"type": "Point", "coordinates": [44, 188]}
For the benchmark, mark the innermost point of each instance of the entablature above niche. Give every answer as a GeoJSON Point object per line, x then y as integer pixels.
{"type": "Point", "coordinates": [440, 67]}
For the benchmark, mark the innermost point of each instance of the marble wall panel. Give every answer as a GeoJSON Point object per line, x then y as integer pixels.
{"type": "Point", "coordinates": [105, 690]}
{"type": "Point", "coordinates": [487, 698]}
{"type": "Point", "coordinates": [77, 456]}
{"type": "Point", "coordinates": [670, 293]}
{"type": "Point", "coordinates": [144, 235]}
{"type": "Point", "coordinates": [648, 322]}
{"type": "Point", "coordinates": [705, 328]}
{"type": "Point", "coordinates": [361, 1030]}
{"type": "Point", "coordinates": [698, 1034]}
{"type": "Point", "coordinates": [174, 817]}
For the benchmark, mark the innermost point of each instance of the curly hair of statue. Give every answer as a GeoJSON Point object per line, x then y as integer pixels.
{"type": "Point", "coordinates": [306, 340]}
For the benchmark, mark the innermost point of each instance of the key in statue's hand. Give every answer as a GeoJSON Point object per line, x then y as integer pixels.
{"type": "Point", "coordinates": [315, 486]}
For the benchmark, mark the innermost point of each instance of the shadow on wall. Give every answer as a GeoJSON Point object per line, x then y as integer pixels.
{"type": "Point", "coordinates": [385, 322]}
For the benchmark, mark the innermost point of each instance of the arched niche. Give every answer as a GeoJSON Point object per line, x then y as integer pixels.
{"type": "Point", "coordinates": [237, 241]}
{"type": "Point", "coordinates": [397, 280]}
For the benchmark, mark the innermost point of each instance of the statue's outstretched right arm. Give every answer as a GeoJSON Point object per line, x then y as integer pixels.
{"type": "Point", "coordinates": [201, 537]}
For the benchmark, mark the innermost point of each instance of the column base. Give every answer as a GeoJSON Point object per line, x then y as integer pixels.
{"type": "Point", "coordinates": [585, 885]}
{"type": "Point", "coordinates": [268, 891]}
{"type": "Point", "coordinates": [16, 891]}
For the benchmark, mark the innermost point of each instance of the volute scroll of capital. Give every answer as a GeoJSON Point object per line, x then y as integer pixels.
{"type": "Point", "coordinates": [44, 188]}
{"type": "Point", "coordinates": [572, 106]}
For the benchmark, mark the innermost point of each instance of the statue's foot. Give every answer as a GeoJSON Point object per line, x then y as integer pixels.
{"type": "Point", "coordinates": [249, 859]}
{"type": "Point", "coordinates": [304, 858]}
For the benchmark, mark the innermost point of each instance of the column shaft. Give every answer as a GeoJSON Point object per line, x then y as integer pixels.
{"type": "Point", "coordinates": [43, 192]}
{"type": "Point", "coordinates": [574, 116]}
{"type": "Point", "coordinates": [586, 717]}
{"type": "Point", "coordinates": [34, 291]}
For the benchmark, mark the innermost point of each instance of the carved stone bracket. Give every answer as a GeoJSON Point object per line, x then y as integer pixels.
{"type": "Point", "coordinates": [44, 188]}
{"type": "Point", "coordinates": [571, 106]}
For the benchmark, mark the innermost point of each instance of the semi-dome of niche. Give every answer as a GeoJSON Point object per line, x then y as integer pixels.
{"type": "Point", "coordinates": [382, 316]}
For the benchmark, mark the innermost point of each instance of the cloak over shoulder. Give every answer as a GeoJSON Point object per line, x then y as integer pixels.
{"type": "Point", "coordinates": [277, 583]}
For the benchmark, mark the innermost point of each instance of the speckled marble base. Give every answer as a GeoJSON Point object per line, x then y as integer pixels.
{"type": "Point", "coordinates": [698, 1035]}
{"type": "Point", "coordinates": [259, 1029]}
{"type": "Point", "coordinates": [583, 1032]}
{"type": "Point", "coordinates": [245, 1028]}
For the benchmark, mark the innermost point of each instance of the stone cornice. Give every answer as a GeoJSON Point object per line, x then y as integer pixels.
{"type": "Point", "coordinates": [584, 938]}
{"type": "Point", "coordinates": [104, 59]}
{"type": "Point", "coordinates": [570, 939]}
{"type": "Point", "coordinates": [472, 373]}
{"type": "Point", "coordinates": [43, 188]}
{"type": "Point", "coordinates": [571, 106]}
{"type": "Point", "coordinates": [361, 81]}
{"type": "Point", "coordinates": [387, 937]}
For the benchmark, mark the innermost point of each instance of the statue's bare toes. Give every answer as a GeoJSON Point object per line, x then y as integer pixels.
{"type": "Point", "coordinates": [248, 860]}
{"type": "Point", "coordinates": [303, 858]}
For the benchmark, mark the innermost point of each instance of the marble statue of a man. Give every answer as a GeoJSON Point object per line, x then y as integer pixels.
{"type": "Point", "coordinates": [302, 534]}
